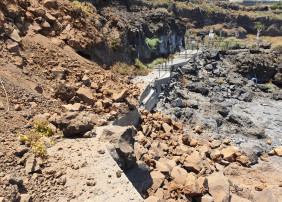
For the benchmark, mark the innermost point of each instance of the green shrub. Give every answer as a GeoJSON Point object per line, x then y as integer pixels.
{"type": "Point", "coordinates": [122, 68]}
{"type": "Point", "coordinates": [85, 7]}
{"type": "Point", "coordinates": [141, 69]}
{"type": "Point", "coordinates": [270, 87]}
{"type": "Point", "coordinates": [181, 4]}
{"type": "Point", "coordinates": [152, 43]}
{"type": "Point", "coordinates": [115, 44]}
{"type": "Point", "coordinates": [164, 10]}
{"type": "Point", "coordinates": [43, 128]}
{"type": "Point", "coordinates": [34, 141]}
{"type": "Point", "coordinates": [156, 62]}
{"type": "Point", "coordinates": [277, 5]}
{"type": "Point", "coordinates": [231, 42]}
{"type": "Point", "coordinates": [39, 149]}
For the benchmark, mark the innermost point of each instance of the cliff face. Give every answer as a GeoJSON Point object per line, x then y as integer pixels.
{"type": "Point", "coordinates": [228, 15]}
{"type": "Point", "coordinates": [200, 18]}
{"type": "Point", "coordinates": [152, 26]}
{"type": "Point", "coordinates": [103, 31]}
{"type": "Point", "coordinates": [132, 26]}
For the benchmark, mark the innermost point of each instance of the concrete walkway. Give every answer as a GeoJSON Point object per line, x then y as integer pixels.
{"type": "Point", "coordinates": [87, 160]}
{"type": "Point", "coordinates": [162, 70]}
{"type": "Point", "coordinates": [151, 84]}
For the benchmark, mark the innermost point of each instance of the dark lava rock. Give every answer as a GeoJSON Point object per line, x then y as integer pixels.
{"type": "Point", "coordinates": [222, 110]}
{"type": "Point", "coordinates": [251, 154]}
{"type": "Point", "coordinates": [64, 92]}
{"type": "Point", "coordinates": [74, 123]}
{"type": "Point", "coordinates": [247, 96]}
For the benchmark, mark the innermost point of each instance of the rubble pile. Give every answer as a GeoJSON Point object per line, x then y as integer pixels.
{"type": "Point", "coordinates": [183, 166]}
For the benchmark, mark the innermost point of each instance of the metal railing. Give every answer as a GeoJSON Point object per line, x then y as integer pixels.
{"type": "Point", "coordinates": [199, 46]}
{"type": "Point", "coordinates": [218, 45]}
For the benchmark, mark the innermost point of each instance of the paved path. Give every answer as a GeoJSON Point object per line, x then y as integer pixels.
{"type": "Point", "coordinates": [159, 76]}
{"type": "Point", "coordinates": [87, 159]}
{"type": "Point", "coordinates": [162, 70]}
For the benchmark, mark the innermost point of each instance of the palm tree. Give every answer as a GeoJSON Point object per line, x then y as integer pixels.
{"type": "Point", "coordinates": [259, 26]}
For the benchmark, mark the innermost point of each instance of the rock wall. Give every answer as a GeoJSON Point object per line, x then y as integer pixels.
{"type": "Point", "coordinates": [110, 32]}
{"type": "Point", "coordinates": [197, 17]}
{"type": "Point", "coordinates": [129, 24]}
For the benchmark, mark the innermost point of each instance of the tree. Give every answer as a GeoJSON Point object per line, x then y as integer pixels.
{"type": "Point", "coordinates": [259, 26]}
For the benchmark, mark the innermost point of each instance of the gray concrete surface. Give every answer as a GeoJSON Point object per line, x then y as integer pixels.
{"type": "Point", "coordinates": [158, 77]}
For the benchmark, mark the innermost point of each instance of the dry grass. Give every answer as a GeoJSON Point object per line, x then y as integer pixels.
{"type": "Point", "coordinates": [275, 41]}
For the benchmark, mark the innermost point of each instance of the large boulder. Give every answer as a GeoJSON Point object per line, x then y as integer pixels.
{"type": "Point", "coordinates": [74, 123]}
{"type": "Point", "coordinates": [194, 162]}
{"type": "Point", "coordinates": [64, 92]}
{"type": "Point", "coordinates": [179, 175]}
{"type": "Point", "coordinates": [158, 179]}
{"type": "Point", "coordinates": [219, 187]}
{"type": "Point", "coordinates": [251, 154]}
{"type": "Point", "coordinates": [165, 165]}
{"type": "Point", "coordinates": [86, 95]}
{"type": "Point", "coordinates": [195, 186]}
{"type": "Point", "coordinates": [121, 141]}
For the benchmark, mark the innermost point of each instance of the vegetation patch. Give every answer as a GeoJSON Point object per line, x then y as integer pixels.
{"type": "Point", "coordinates": [164, 10]}
{"type": "Point", "coordinates": [85, 7]}
{"type": "Point", "coordinates": [35, 139]}
{"type": "Point", "coordinates": [156, 62]}
{"type": "Point", "coordinates": [277, 5]}
{"type": "Point", "coordinates": [122, 68]}
{"type": "Point", "coordinates": [141, 69]}
{"type": "Point", "coordinates": [153, 43]}
{"type": "Point", "coordinates": [270, 87]}
{"type": "Point", "coordinates": [115, 44]}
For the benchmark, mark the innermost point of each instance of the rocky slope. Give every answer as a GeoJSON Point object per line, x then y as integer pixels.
{"type": "Point", "coordinates": [212, 91]}
{"type": "Point", "coordinates": [107, 34]}
{"type": "Point", "coordinates": [224, 17]}
{"type": "Point", "coordinates": [47, 80]}
{"type": "Point", "coordinates": [190, 167]}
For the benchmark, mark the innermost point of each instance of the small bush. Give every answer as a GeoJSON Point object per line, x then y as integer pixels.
{"type": "Point", "coordinates": [33, 140]}
{"type": "Point", "coordinates": [156, 62]}
{"type": "Point", "coordinates": [181, 4]}
{"type": "Point", "coordinates": [122, 68]}
{"type": "Point", "coordinates": [141, 69]}
{"type": "Point", "coordinates": [115, 44]}
{"type": "Point", "coordinates": [43, 129]}
{"type": "Point", "coordinates": [153, 43]}
{"type": "Point", "coordinates": [164, 10]}
{"type": "Point", "coordinates": [277, 5]}
{"type": "Point", "coordinates": [39, 149]}
{"type": "Point", "coordinates": [270, 87]}
{"type": "Point", "coordinates": [85, 7]}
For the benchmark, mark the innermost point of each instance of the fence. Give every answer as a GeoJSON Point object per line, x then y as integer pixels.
{"type": "Point", "coordinates": [218, 45]}
{"type": "Point", "coordinates": [191, 49]}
